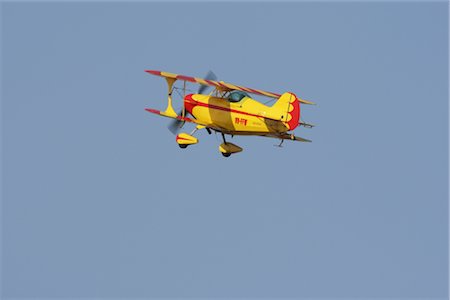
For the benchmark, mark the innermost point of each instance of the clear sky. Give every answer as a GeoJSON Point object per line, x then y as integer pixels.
{"type": "Point", "coordinates": [99, 201]}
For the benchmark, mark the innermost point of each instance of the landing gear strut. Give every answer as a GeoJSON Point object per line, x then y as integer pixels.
{"type": "Point", "coordinates": [223, 137]}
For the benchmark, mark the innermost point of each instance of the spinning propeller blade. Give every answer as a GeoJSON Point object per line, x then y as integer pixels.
{"type": "Point", "coordinates": [175, 125]}
{"type": "Point", "coordinates": [209, 76]}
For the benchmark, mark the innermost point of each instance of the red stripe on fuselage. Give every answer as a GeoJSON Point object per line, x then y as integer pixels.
{"type": "Point", "coordinates": [190, 103]}
{"type": "Point", "coordinates": [227, 109]}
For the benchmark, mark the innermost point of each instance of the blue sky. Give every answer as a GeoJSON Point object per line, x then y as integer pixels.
{"type": "Point", "coordinates": [98, 200]}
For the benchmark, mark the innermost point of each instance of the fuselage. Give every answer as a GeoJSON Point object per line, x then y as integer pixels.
{"type": "Point", "coordinates": [246, 116]}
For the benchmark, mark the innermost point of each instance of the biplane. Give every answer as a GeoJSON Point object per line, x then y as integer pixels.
{"type": "Point", "coordinates": [230, 110]}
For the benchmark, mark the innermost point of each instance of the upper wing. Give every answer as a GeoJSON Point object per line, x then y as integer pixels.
{"type": "Point", "coordinates": [218, 84]}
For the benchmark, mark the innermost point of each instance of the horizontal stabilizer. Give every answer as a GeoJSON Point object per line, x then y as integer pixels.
{"type": "Point", "coordinates": [297, 138]}
{"type": "Point", "coordinates": [306, 125]}
{"type": "Point", "coordinates": [306, 101]}
{"type": "Point", "coordinates": [287, 136]}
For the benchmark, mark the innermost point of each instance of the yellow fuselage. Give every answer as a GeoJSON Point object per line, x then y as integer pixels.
{"type": "Point", "coordinates": [247, 116]}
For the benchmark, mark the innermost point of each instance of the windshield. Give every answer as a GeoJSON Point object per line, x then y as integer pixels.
{"type": "Point", "coordinates": [236, 96]}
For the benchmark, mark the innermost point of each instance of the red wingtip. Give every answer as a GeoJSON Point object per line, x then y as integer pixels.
{"type": "Point", "coordinates": [154, 111]}
{"type": "Point", "coordinates": [154, 72]}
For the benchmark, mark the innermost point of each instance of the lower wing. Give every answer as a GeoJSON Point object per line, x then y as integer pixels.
{"type": "Point", "coordinates": [181, 118]}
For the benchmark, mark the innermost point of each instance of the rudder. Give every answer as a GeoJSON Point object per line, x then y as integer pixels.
{"type": "Point", "coordinates": [289, 107]}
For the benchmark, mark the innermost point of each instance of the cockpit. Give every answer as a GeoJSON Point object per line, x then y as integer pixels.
{"type": "Point", "coordinates": [236, 96]}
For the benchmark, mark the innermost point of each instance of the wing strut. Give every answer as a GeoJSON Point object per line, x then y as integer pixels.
{"type": "Point", "coordinates": [169, 112]}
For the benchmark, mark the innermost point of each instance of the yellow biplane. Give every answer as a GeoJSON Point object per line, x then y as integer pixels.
{"type": "Point", "coordinates": [229, 109]}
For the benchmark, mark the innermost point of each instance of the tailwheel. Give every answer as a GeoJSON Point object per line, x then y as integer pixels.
{"type": "Point", "coordinates": [226, 154]}
{"type": "Point", "coordinates": [182, 146]}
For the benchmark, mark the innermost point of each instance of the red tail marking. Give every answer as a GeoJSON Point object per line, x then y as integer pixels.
{"type": "Point", "coordinates": [295, 114]}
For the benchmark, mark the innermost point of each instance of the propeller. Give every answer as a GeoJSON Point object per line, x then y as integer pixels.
{"type": "Point", "coordinates": [209, 76]}
{"type": "Point", "coordinates": [175, 125]}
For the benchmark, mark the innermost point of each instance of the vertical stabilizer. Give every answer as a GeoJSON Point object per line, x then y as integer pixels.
{"type": "Point", "coordinates": [288, 106]}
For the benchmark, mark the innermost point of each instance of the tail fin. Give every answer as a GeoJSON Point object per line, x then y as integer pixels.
{"type": "Point", "coordinates": [288, 105]}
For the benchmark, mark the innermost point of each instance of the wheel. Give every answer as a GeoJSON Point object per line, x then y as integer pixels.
{"type": "Point", "coordinates": [226, 154]}
{"type": "Point", "coordinates": [182, 146]}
